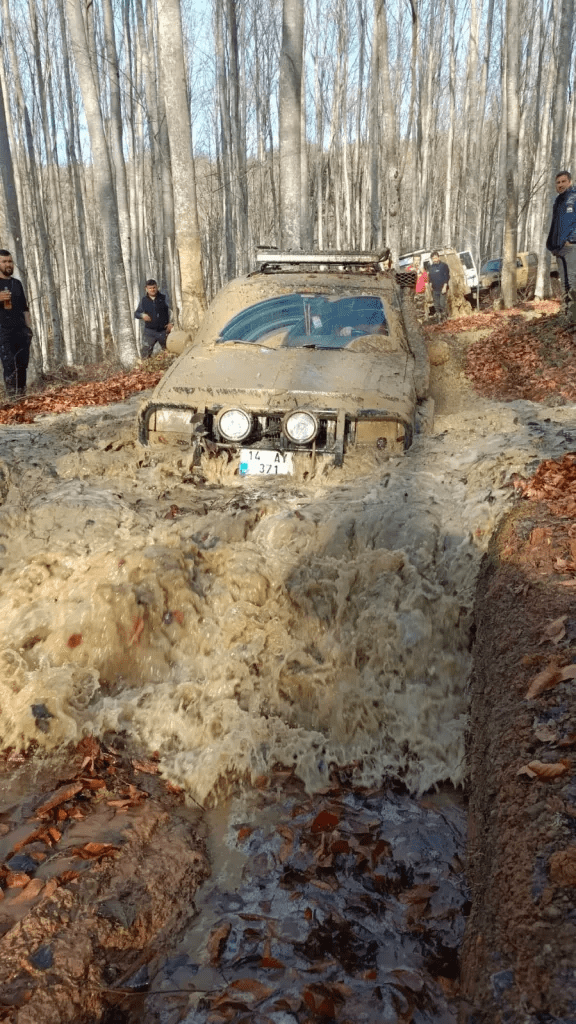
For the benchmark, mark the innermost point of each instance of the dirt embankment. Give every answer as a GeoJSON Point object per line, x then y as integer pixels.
{"type": "Point", "coordinates": [518, 956]}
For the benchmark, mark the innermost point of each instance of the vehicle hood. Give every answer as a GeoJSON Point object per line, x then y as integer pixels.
{"type": "Point", "coordinates": [267, 379]}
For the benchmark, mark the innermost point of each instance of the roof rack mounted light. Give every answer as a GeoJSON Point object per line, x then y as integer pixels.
{"type": "Point", "coordinates": [276, 256]}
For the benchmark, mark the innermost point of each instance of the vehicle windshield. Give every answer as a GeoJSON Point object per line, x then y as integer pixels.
{"type": "Point", "coordinates": [491, 266]}
{"type": "Point", "coordinates": [307, 320]}
{"type": "Point", "coordinates": [466, 259]}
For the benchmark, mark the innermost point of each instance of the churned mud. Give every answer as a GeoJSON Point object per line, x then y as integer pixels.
{"type": "Point", "coordinates": [265, 682]}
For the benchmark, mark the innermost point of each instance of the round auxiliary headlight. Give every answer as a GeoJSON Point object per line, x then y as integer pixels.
{"type": "Point", "coordinates": [300, 427]}
{"type": "Point", "coordinates": [234, 424]}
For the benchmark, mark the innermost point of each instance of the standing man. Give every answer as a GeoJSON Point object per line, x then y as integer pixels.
{"type": "Point", "coordinates": [154, 311]}
{"type": "Point", "coordinates": [561, 241]}
{"type": "Point", "coordinates": [439, 276]}
{"type": "Point", "coordinates": [15, 328]}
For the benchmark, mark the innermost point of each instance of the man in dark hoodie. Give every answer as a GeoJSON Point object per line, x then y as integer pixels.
{"type": "Point", "coordinates": [154, 311]}
{"type": "Point", "coordinates": [439, 277]}
{"type": "Point", "coordinates": [561, 239]}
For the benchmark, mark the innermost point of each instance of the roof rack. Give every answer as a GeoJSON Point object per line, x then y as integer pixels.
{"type": "Point", "coordinates": [286, 259]}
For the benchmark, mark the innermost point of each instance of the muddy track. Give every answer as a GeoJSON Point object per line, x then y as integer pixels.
{"type": "Point", "coordinates": [215, 631]}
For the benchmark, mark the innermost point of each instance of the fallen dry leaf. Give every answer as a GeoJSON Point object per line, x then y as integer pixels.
{"type": "Point", "coordinates": [324, 822]}
{"type": "Point", "coordinates": [555, 630]}
{"type": "Point", "coordinates": [30, 891]}
{"type": "Point", "coordinates": [59, 797]}
{"type": "Point", "coordinates": [542, 770]}
{"type": "Point", "coordinates": [545, 734]}
{"type": "Point", "coordinates": [545, 680]}
{"type": "Point", "coordinates": [94, 851]}
{"type": "Point", "coordinates": [148, 767]}
{"type": "Point", "coordinates": [562, 866]}
{"type": "Point", "coordinates": [271, 964]}
{"type": "Point", "coordinates": [16, 879]}
{"type": "Point", "coordinates": [249, 986]}
{"type": "Point", "coordinates": [217, 942]}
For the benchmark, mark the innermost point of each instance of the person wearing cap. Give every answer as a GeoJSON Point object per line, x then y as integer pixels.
{"type": "Point", "coordinates": [439, 276]}
{"type": "Point", "coordinates": [154, 311]}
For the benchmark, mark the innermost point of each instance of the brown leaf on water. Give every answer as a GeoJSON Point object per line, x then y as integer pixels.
{"type": "Point", "coordinates": [59, 797]}
{"type": "Point", "coordinates": [148, 767]}
{"type": "Point", "coordinates": [38, 833]}
{"type": "Point", "coordinates": [545, 680]}
{"type": "Point", "coordinates": [408, 979]}
{"type": "Point", "coordinates": [217, 942]}
{"type": "Point", "coordinates": [16, 880]}
{"type": "Point", "coordinates": [54, 834]}
{"type": "Point", "coordinates": [543, 770]}
{"type": "Point", "coordinates": [249, 986]}
{"type": "Point", "coordinates": [67, 876]}
{"type": "Point", "coordinates": [75, 640]}
{"type": "Point", "coordinates": [271, 964]}
{"type": "Point", "coordinates": [417, 894]}
{"type": "Point", "coordinates": [562, 866]}
{"type": "Point", "coordinates": [244, 832]}
{"type": "Point", "coordinates": [93, 784]}
{"type": "Point", "coordinates": [94, 851]}
{"type": "Point", "coordinates": [171, 787]}
{"type": "Point", "coordinates": [325, 821]}
{"type": "Point", "coordinates": [30, 891]}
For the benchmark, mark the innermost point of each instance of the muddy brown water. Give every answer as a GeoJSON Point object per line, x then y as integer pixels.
{"type": "Point", "coordinates": [233, 627]}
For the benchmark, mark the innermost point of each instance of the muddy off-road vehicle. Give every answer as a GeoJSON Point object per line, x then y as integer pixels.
{"type": "Point", "coordinates": [526, 273]}
{"type": "Point", "coordinates": [311, 357]}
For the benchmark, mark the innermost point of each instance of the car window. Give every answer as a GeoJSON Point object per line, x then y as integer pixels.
{"type": "Point", "coordinates": [467, 260]}
{"type": "Point", "coordinates": [252, 324]}
{"type": "Point", "coordinates": [519, 262]}
{"type": "Point", "coordinates": [334, 324]}
{"type": "Point", "coordinates": [491, 266]}
{"type": "Point", "coordinates": [310, 320]}
{"type": "Point", "coordinates": [532, 259]}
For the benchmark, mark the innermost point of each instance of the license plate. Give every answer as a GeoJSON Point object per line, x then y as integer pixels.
{"type": "Point", "coordinates": [257, 462]}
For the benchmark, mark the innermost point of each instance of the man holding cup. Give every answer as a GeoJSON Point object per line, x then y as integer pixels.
{"type": "Point", "coordinates": [15, 328]}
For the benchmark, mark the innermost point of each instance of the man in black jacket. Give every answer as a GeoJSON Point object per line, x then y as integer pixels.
{"type": "Point", "coordinates": [15, 328]}
{"type": "Point", "coordinates": [153, 310]}
{"type": "Point", "coordinates": [439, 276]}
{"type": "Point", "coordinates": [561, 239]}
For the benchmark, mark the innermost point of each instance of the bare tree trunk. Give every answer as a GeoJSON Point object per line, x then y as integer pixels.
{"type": "Point", "coordinates": [182, 162]}
{"type": "Point", "coordinates": [121, 313]}
{"type": "Point", "coordinates": [512, 127]}
{"type": "Point", "coordinates": [290, 116]}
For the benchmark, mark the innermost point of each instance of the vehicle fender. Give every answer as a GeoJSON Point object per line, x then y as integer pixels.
{"type": "Point", "coordinates": [416, 344]}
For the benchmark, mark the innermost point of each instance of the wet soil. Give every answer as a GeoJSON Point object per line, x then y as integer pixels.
{"type": "Point", "coordinates": [518, 954]}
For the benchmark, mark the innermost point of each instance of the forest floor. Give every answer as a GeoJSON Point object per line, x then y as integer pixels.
{"type": "Point", "coordinates": [517, 962]}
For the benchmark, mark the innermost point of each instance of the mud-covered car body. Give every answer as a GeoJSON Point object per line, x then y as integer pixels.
{"type": "Point", "coordinates": [526, 272]}
{"type": "Point", "coordinates": [312, 355]}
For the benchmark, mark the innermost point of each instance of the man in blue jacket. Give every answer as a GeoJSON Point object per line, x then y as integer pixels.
{"type": "Point", "coordinates": [439, 276]}
{"type": "Point", "coordinates": [154, 311]}
{"type": "Point", "coordinates": [561, 239]}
